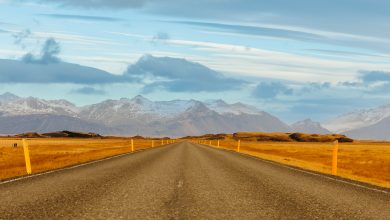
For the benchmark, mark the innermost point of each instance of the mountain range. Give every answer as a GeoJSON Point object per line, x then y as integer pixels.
{"type": "Point", "coordinates": [140, 115]}
{"type": "Point", "coordinates": [133, 116]}
{"type": "Point", "coordinates": [371, 123]}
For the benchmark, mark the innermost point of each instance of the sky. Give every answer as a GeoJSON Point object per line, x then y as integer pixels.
{"type": "Point", "coordinates": [295, 59]}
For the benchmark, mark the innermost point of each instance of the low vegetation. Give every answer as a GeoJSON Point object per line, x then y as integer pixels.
{"type": "Point", "coordinates": [276, 136]}
{"type": "Point", "coordinates": [52, 153]}
{"type": "Point", "coordinates": [362, 161]}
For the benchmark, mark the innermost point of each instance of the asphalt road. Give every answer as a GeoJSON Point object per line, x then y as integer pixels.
{"type": "Point", "coordinates": [188, 181]}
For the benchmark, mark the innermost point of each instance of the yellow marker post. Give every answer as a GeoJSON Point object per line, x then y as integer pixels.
{"type": "Point", "coordinates": [218, 144]}
{"type": "Point", "coordinates": [132, 145]}
{"type": "Point", "coordinates": [152, 143]}
{"type": "Point", "coordinates": [334, 157]}
{"type": "Point", "coordinates": [238, 145]}
{"type": "Point", "coordinates": [27, 156]}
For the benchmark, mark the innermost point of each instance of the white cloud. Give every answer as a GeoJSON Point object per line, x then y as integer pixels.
{"type": "Point", "coordinates": [75, 38]}
{"type": "Point", "coordinates": [283, 65]}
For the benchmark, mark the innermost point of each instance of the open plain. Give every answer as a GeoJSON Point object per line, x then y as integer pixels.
{"type": "Point", "coordinates": [189, 181]}
{"type": "Point", "coordinates": [362, 161]}
{"type": "Point", "coordinates": [53, 153]}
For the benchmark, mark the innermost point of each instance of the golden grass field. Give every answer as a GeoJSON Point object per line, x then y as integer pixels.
{"type": "Point", "coordinates": [52, 153]}
{"type": "Point", "coordinates": [362, 161]}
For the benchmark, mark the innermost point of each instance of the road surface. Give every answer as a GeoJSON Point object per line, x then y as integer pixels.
{"type": "Point", "coordinates": [188, 181]}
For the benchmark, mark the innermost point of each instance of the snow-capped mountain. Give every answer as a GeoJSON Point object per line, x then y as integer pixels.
{"type": "Point", "coordinates": [8, 97]}
{"type": "Point", "coordinates": [238, 108]}
{"type": "Point", "coordinates": [138, 115]}
{"type": "Point", "coordinates": [137, 108]}
{"type": "Point", "coordinates": [309, 126]}
{"type": "Point", "coordinates": [378, 131]}
{"type": "Point", "coordinates": [358, 119]}
{"type": "Point", "coordinates": [12, 105]}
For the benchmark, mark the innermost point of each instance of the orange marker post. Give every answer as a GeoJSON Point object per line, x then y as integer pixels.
{"type": "Point", "coordinates": [132, 145]}
{"type": "Point", "coordinates": [27, 156]}
{"type": "Point", "coordinates": [334, 157]}
{"type": "Point", "coordinates": [238, 145]}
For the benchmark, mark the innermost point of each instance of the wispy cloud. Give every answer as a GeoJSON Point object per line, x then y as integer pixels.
{"type": "Point", "coordinates": [258, 30]}
{"type": "Point", "coordinates": [161, 37]}
{"type": "Point", "coordinates": [89, 91]}
{"type": "Point", "coordinates": [82, 17]}
{"type": "Point", "coordinates": [96, 4]}
{"type": "Point", "coordinates": [348, 53]}
{"type": "Point", "coordinates": [293, 33]}
{"type": "Point", "coordinates": [2, 31]}
{"type": "Point", "coordinates": [20, 37]}
{"type": "Point", "coordinates": [76, 38]}
{"type": "Point", "coordinates": [246, 60]}
{"type": "Point", "coordinates": [283, 65]}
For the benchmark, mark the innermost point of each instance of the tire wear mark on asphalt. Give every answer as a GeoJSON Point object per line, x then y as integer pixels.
{"type": "Point", "coordinates": [187, 181]}
{"type": "Point", "coordinates": [174, 203]}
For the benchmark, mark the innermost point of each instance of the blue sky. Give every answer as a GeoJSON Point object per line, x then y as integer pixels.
{"type": "Point", "coordinates": [296, 59]}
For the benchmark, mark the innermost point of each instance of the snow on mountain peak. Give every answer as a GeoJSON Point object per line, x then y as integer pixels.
{"type": "Point", "coordinates": [238, 108]}
{"type": "Point", "coordinates": [358, 119]}
{"type": "Point", "coordinates": [139, 99]}
{"type": "Point", "coordinates": [31, 105]}
{"type": "Point", "coordinates": [8, 97]}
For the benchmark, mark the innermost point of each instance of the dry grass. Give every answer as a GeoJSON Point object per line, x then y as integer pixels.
{"type": "Point", "coordinates": [47, 154]}
{"type": "Point", "coordinates": [362, 161]}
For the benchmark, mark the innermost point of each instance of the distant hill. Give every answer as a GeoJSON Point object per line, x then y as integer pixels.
{"type": "Point", "coordinates": [309, 126]}
{"type": "Point", "coordinates": [59, 134]}
{"type": "Point", "coordinates": [71, 134]}
{"type": "Point", "coordinates": [274, 137]}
